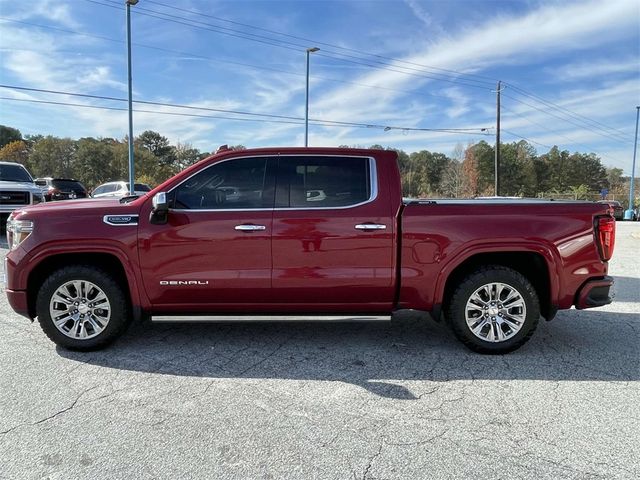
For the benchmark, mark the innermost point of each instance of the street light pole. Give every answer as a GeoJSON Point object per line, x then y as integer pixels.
{"type": "Point", "coordinates": [496, 163]}
{"type": "Point", "coordinates": [128, 4]}
{"type": "Point", "coordinates": [628, 215]}
{"type": "Point", "coordinates": [306, 109]}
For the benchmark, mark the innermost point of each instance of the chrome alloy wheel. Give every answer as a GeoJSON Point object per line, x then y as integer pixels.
{"type": "Point", "coordinates": [80, 309]}
{"type": "Point", "coordinates": [495, 312]}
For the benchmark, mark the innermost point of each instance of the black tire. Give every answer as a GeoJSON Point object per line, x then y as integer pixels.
{"type": "Point", "coordinates": [455, 310]}
{"type": "Point", "coordinates": [119, 307]}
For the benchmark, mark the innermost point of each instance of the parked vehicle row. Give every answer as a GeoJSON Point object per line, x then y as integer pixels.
{"type": "Point", "coordinates": [19, 189]}
{"type": "Point", "coordinates": [119, 189]}
{"type": "Point", "coordinates": [61, 188]}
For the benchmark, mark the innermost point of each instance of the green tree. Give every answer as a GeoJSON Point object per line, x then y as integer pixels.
{"type": "Point", "coordinates": [157, 145]}
{"type": "Point", "coordinates": [560, 169]}
{"type": "Point", "coordinates": [517, 170]}
{"type": "Point", "coordinates": [94, 162]}
{"type": "Point", "coordinates": [484, 160]}
{"type": "Point", "coordinates": [53, 156]}
{"type": "Point", "coordinates": [8, 135]}
{"type": "Point", "coordinates": [587, 170]}
{"type": "Point", "coordinates": [145, 163]}
{"type": "Point", "coordinates": [427, 171]}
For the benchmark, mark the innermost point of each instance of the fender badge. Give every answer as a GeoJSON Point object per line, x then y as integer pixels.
{"type": "Point", "coordinates": [120, 220]}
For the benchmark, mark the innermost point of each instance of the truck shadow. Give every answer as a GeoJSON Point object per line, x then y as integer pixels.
{"type": "Point", "coordinates": [382, 358]}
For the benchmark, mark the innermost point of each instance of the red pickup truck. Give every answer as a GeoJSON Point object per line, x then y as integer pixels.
{"type": "Point", "coordinates": [304, 233]}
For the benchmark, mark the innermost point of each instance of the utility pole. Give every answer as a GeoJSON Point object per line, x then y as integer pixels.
{"type": "Point", "coordinates": [128, 3]}
{"type": "Point", "coordinates": [497, 150]}
{"type": "Point", "coordinates": [306, 108]}
{"type": "Point", "coordinates": [628, 215]}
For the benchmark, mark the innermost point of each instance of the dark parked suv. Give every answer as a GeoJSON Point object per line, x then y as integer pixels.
{"type": "Point", "coordinates": [61, 188]}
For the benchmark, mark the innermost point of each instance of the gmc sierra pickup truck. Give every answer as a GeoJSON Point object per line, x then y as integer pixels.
{"type": "Point", "coordinates": [300, 234]}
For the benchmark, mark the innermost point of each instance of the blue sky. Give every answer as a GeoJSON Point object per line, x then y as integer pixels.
{"type": "Point", "coordinates": [437, 67]}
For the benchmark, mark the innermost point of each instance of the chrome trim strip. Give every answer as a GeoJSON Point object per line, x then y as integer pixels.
{"type": "Point", "coordinates": [270, 318]}
{"type": "Point", "coordinates": [131, 224]}
{"type": "Point", "coordinates": [370, 226]}
{"type": "Point", "coordinates": [5, 276]}
{"type": "Point", "coordinates": [373, 182]}
{"type": "Point", "coordinates": [249, 228]}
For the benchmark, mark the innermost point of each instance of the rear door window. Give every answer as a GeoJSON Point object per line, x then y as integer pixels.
{"type": "Point", "coordinates": [323, 182]}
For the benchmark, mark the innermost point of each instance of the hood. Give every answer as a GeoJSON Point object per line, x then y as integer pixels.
{"type": "Point", "coordinates": [19, 186]}
{"type": "Point", "coordinates": [82, 206]}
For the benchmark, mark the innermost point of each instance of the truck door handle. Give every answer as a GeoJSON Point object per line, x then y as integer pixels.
{"type": "Point", "coordinates": [249, 228]}
{"type": "Point", "coordinates": [370, 226]}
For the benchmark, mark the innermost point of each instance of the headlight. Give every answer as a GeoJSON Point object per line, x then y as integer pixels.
{"type": "Point", "coordinates": [18, 231]}
{"type": "Point", "coordinates": [37, 197]}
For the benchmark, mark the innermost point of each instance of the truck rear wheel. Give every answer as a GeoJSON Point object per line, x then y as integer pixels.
{"type": "Point", "coordinates": [494, 310]}
{"type": "Point", "coordinates": [81, 307]}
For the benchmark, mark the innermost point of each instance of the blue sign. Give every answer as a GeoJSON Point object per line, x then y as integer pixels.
{"type": "Point", "coordinates": [604, 192]}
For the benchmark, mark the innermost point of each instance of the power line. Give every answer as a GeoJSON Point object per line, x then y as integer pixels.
{"type": "Point", "coordinates": [568, 112]}
{"type": "Point", "coordinates": [571, 113]}
{"type": "Point", "coordinates": [321, 122]}
{"type": "Point", "coordinates": [316, 42]}
{"type": "Point", "coordinates": [102, 107]}
{"type": "Point", "coordinates": [575, 142]}
{"type": "Point", "coordinates": [248, 36]}
{"type": "Point", "coordinates": [547, 112]}
{"type": "Point", "coordinates": [526, 139]}
{"type": "Point", "coordinates": [294, 46]}
{"type": "Point", "coordinates": [217, 59]}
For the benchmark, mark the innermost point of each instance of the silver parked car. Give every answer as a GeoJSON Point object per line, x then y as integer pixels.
{"type": "Point", "coordinates": [119, 189]}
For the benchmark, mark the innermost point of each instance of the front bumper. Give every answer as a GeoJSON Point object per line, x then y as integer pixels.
{"type": "Point", "coordinates": [594, 293]}
{"type": "Point", "coordinates": [18, 301]}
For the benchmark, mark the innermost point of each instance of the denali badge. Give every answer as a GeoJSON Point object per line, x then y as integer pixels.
{"type": "Point", "coordinates": [118, 220]}
{"type": "Point", "coordinates": [184, 282]}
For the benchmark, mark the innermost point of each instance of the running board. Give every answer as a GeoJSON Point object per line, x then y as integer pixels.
{"type": "Point", "coordinates": [269, 318]}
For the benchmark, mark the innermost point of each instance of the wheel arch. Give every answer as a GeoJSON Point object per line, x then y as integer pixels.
{"type": "Point", "coordinates": [538, 268]}
{"type": "Point", "coordinates": [106, 261]}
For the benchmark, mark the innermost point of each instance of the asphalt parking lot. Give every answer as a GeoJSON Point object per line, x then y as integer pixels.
{"type": "Point", "coordinates": [329, 401]}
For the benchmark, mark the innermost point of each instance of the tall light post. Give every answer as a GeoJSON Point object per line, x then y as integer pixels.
{"type": "Point", "coordinates": [628, 215]}
{"type": "Point", "coordinates": [128, 4]}
{"type": "Point", "coordinates": [306, 109]}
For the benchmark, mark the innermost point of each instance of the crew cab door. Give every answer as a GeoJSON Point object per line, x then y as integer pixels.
{"type": "Point", "coordinates": [215, 248]}
{"type": "Point", "coordinates": [333, 231]}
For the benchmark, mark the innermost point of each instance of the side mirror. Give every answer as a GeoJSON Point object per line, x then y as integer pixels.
{"type": "Point", "coordinates": [160, 210]}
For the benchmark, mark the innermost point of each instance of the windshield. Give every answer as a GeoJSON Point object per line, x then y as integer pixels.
{"type": "Point", "coordinates": [68, 185]}
{"type": "Point", "coordinates": [140, 187]}
{"type": "Point", "coordinates": [14, 173]}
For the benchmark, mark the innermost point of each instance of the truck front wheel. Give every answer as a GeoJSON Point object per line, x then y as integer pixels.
{"type": "Point", "coordinates": [494, 310]}
{"type": "Point", "coordinates": [82, 307]}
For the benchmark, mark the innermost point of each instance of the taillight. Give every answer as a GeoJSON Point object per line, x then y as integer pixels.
{"type": "Point", "coordinates": [605, 236]}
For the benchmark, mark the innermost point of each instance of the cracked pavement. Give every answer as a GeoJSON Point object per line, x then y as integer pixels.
{"type": "Point", "coordinates": [330, 401]}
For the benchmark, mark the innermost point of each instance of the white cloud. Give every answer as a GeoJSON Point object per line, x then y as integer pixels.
{"type": "Point", "coordinates": [51, 10]}
{"type": "Point", "coordinates": [600, 68]}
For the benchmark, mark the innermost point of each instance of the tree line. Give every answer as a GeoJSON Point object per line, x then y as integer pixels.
{"type": "Point", "coordinates": [466, 172]}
